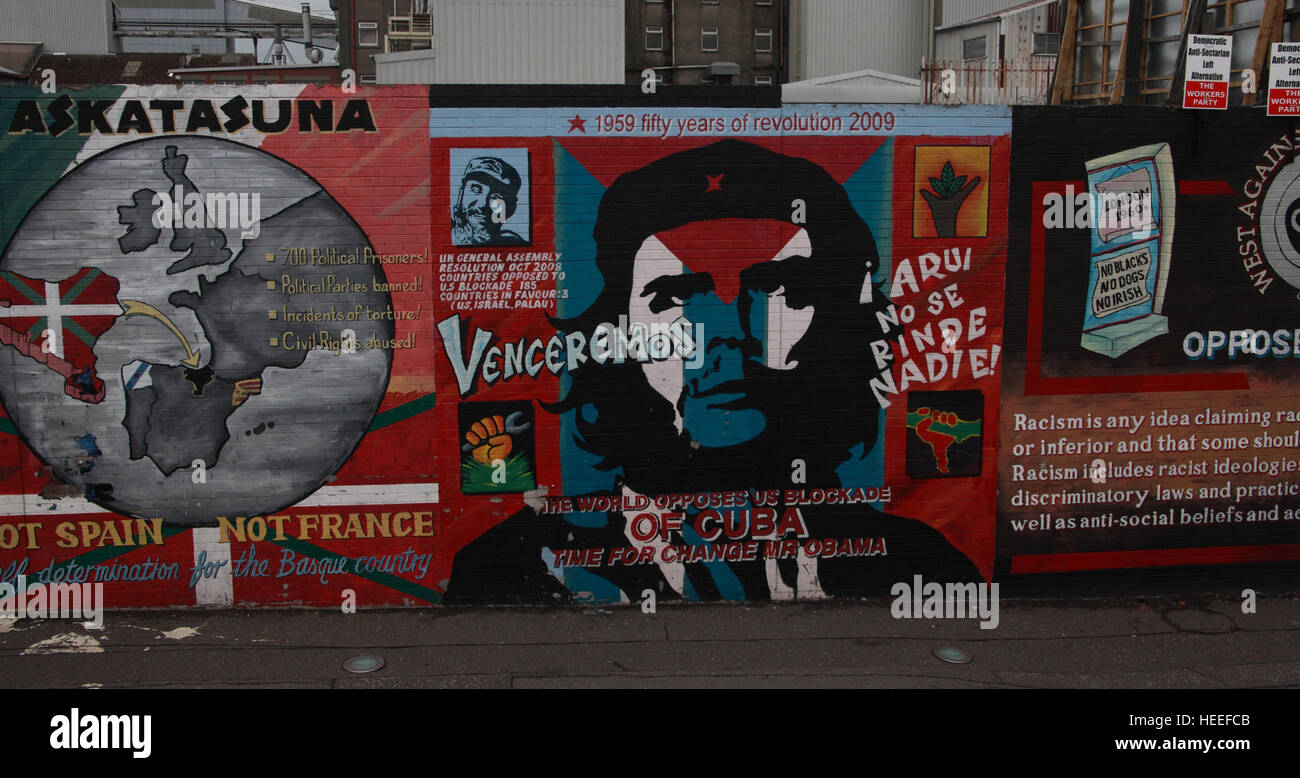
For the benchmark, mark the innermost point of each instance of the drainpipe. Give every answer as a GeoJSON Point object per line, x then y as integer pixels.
{"type": "Point", "coordinates": [796, 28]}
{"type": "Point", "coordinates": [927, 32]}
{"type": "Point", "coordinates": [672, 30]}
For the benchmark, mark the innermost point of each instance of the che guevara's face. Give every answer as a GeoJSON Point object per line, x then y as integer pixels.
{"type": "Point", "coordinates": [743, 284]}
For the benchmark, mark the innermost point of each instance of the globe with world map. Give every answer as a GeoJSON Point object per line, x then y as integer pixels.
{"type": "Point", "coordinates": [175, 339]}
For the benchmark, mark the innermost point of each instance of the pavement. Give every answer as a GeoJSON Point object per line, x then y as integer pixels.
{"type": "Point", "coordinates": [1168, 641]}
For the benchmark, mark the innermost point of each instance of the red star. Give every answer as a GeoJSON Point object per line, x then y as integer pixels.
{"type": "Point", "coordinates": [715, 182]}
{"type": "Point", "coordinates": [578, 123]}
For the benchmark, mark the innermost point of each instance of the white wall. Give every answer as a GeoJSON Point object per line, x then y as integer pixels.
{"type": "Point", "coordinates": [948, 45]}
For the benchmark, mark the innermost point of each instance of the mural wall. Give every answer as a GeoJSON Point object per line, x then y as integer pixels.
{"type": "Point", "coordinates": [290, 345]}
{"type": "Point", "coordinates": [1150, 414]}
{"type": "Point", "coordinates": [728, 353]}
{"type": "Point", "coordinates": [213, 366]}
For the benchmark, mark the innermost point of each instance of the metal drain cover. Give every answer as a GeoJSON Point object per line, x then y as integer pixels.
{"type": "Point", "coordinates": [363, 664]}
{"type": "Point", "coordinates": [954, 655]}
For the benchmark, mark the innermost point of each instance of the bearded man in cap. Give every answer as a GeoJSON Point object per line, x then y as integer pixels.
{"type": "Point", "coordinates": [786, 310]}
{"type": "Point", "coordinates": [489, 191]}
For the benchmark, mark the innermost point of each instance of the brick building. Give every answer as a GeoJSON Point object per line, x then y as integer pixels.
{"type": "Point", "coordinates": [380, 27]}
{"type": "Point", "coordinates": [706, 41]}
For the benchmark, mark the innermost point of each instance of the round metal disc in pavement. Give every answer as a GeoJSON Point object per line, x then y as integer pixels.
{"type": "Point", "coordinates": [954, 655]}
{"type": "Point", "coordinates": [363, 664]}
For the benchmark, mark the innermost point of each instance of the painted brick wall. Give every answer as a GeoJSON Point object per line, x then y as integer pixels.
{"type": "Point", "coordinates": [560, 346]}
{"type": "Point", "coordinates": [1202, 471]}
{"type": "Point", "coordinates": [229, 391]}
{"type": "Point", "coordinates": [775, 232]}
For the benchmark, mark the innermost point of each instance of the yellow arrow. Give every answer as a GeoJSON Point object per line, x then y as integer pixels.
{"type": "Point", "coordinates": [137, 308]}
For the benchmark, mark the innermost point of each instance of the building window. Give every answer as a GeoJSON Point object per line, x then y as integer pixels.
{"type": "Point", "coordinates": [368, 79]}
{"type": "Point", "coordinates": [763, 39]}
{"type": "Point", "coordinates": [654, 39]}
{"type": "Point", "coordinates": [762, 2]}
{"type": "Point", "coordinates": [1047, 42]}
{"type": "Point", "coordinates": [973, 48]}
{"type": "Point", "coordinates": [709, 2]}
{"type": "Point", "coordinates": [762, 80]}
{"type": "Point", "coordinates": [708, 39]}
{"type": "Point", "coordinates": [367, 33]}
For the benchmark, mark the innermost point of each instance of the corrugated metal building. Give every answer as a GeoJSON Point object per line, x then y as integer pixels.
{"type": "Point", "coordinates": [952, 12]}
{"type": "Point", "coordinates": [515, 42]}
{"type": "Point", "coordinates": [68, 26]}
{"type": "Point", "coordinates": [828, 37]}
{"type": "Point", "coordinates": [1011, 34]}
{"type": "Point", "coordinates": [1006, 56]}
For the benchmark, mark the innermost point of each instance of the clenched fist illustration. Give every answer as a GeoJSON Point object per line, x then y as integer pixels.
{"type": "Point", "coordinates": [488, 439]}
